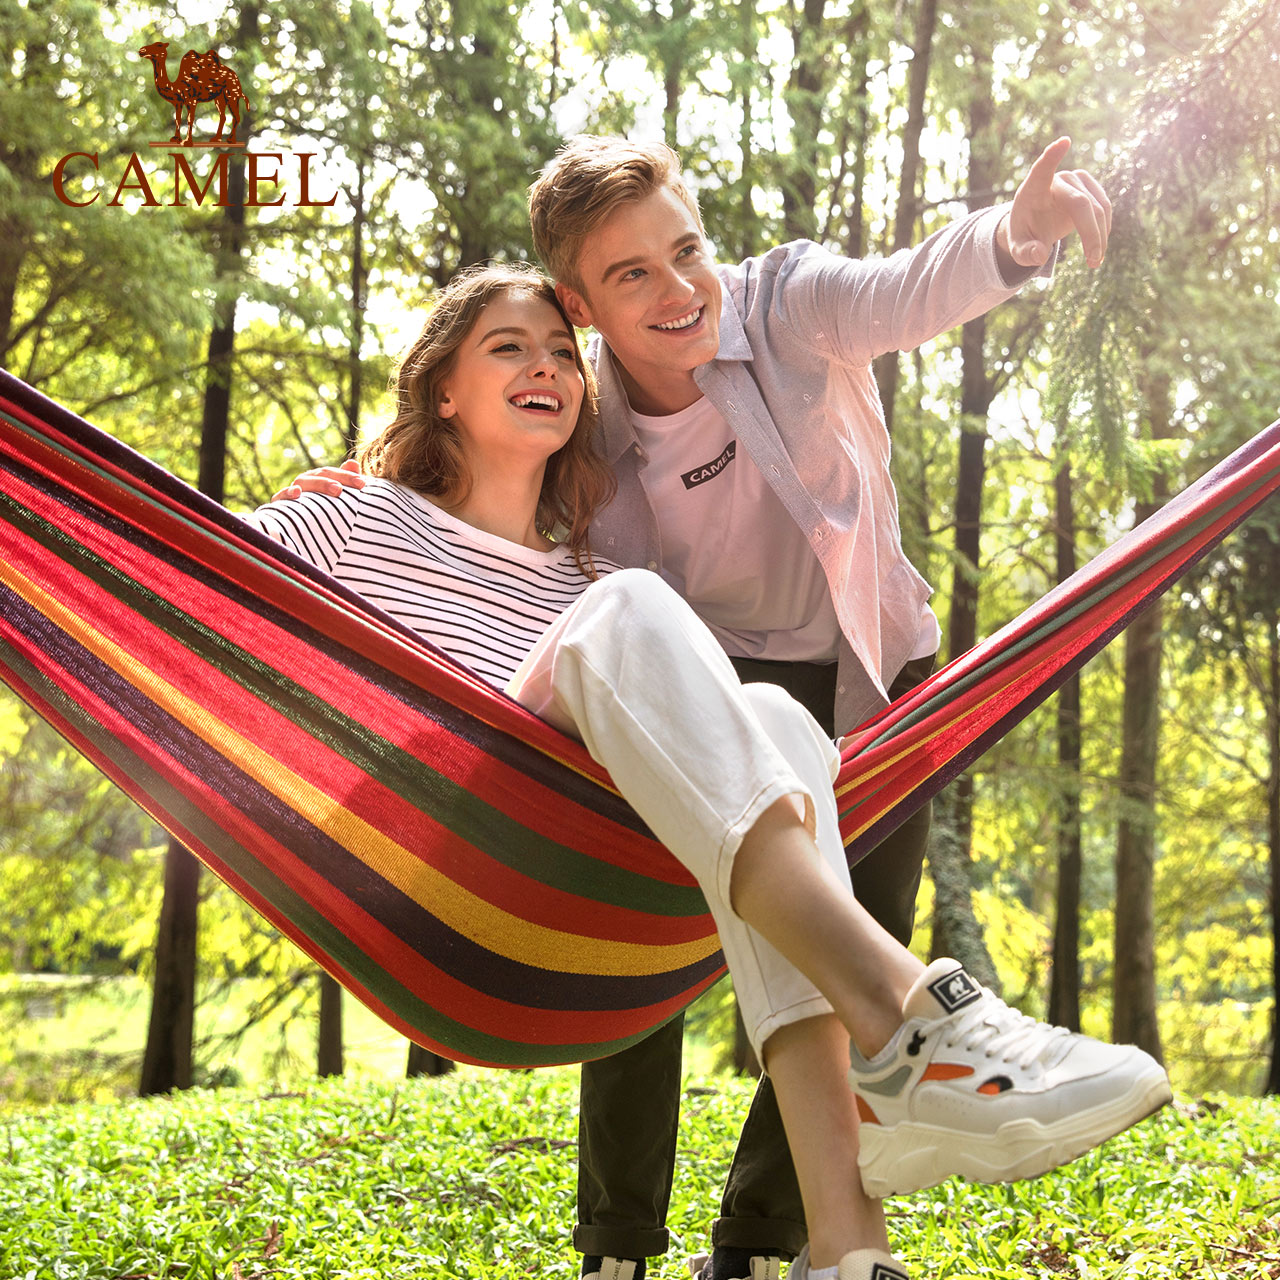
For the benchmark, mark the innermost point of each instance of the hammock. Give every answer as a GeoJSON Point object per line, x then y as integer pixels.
{"type": "Point", "coordinates": [459, 866]}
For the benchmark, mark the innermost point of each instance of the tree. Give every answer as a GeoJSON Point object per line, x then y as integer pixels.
{"type": "Point", "coordinates": [906, 212]}
{"type": "Point", "coordinates": [1134, 1018]}
{"type": "Point", "coordinates": [75, 295]}
{"type": "Point", "coordinates": [955, 930]}
{"type": "Point", "coordinates": [1064, 988]}
{"type": "Point", "coordinates": [167, 1062]}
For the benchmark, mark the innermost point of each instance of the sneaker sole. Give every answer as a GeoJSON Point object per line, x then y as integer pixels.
{"type": "Point", "coordinates": [1018, 1149]}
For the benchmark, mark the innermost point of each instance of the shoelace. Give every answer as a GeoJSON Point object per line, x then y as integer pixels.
{"type": "Point", "coordinates": [1006, 1034]}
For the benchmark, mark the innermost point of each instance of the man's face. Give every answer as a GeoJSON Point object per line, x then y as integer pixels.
{"type": "Point", "coordinates": [650, 290]}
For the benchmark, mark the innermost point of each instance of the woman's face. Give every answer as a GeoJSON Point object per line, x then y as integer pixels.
{"type": "Point", "coordinates": [515, 389]}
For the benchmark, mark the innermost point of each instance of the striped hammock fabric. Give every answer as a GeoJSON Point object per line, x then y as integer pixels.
{"type": "Point", "coordinates": [462, 868]}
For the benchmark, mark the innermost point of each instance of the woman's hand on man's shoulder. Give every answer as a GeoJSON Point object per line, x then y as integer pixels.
{"type": "Point", "coordinates": [330, 480]}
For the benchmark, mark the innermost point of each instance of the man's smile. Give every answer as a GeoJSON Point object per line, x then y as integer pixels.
{"type": "Point", "coordinates": [682, 322]}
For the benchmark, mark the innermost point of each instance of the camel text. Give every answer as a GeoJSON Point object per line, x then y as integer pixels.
{"type": "Point", "coordinates": [263, 180]}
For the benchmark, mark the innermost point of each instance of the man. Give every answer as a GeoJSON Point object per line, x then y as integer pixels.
{"type": "Point", "coordinates": [742, 421]}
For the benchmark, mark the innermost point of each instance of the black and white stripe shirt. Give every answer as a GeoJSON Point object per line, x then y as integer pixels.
{"type": "Point", "coordinates": [482, 599]}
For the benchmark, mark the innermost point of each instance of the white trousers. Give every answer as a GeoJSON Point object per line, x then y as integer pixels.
{"type": "Point", "coordinates": [631, 671]}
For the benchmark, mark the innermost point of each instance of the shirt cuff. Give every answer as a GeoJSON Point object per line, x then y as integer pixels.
{"type": "Point", "coordinates": [1013, 276]}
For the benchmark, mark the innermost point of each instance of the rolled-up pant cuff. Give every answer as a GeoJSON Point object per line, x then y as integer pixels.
{"type": "Point", "coordinates": [778, 1236]}
{"type": "Point", "coordinates": [620, 1242]}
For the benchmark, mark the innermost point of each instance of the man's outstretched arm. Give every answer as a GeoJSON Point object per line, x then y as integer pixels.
{"type": "Point", "coordinates": [853, 310]}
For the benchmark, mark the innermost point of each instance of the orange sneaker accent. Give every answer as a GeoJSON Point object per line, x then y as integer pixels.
{"type": "Point", "coordinates": [865, 1114]}
{"type": "Point", "coordinates": [991, 1087]}
{"type": "Point", "coordinates": [945, 1071]}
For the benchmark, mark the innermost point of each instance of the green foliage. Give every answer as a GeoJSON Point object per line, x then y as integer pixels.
{"type": "Point", "coordinates": [1194, 207]}
{"type": "Point", "coordinates": [93, 282]}
{"type": "Point", "coordinates": [78, 1038]}
{"type": "Point", "coordinates": [472, 1177]}
{"type": "Point", "coordinates": [78, 866]}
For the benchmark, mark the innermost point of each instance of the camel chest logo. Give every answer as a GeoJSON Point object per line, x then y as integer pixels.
{"type": "Point", "coordinates": [203, 78]}
{"type": "Point", "coordinates": [709, 470]}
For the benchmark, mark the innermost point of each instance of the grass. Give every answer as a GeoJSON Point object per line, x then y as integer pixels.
{"type": "Point", "coordinates": [471, 1177]}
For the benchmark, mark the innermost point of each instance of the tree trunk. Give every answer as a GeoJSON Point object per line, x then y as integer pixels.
{"type": "Point", "coordinates": [804, 99]}
{"type": "Point", "coordinates": [857, 38]}
{"type": "Point", "coordinates": [1134, 1019]}
{"type": "Point", "coordinates": [749, 221]}
{"type": "Point", "coordinates": [955, 928]}
{"type": "Point", "coordinates": [359, 284]}
{"type": "Point", "coordinates": [422, 1062]}
{"type": "Point", "coordinates": [1064, 973]}
{"type": "Point", "coordinates": [905, 215]}
{"type": "Point", "coordinates": [672, 52]}
{"type": "Point", "coordinates": [745, 1062]}
{"type": "Point", "coordinates": [1134, 1016]}
{"type": "Point", "coordinates": [329, 1052]}
{"type": "Point", "coordinates": [329, 1041]}
{"type": "Point", "coordinates": [24, 163]}
{"type": "Point", "coordinates": [1272, 1084]}
{"type": "Point", "coordinates": [167, 1060]}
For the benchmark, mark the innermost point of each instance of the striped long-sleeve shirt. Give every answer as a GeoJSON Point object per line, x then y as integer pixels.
{"type": "Point", "coordinates": [482, 599]}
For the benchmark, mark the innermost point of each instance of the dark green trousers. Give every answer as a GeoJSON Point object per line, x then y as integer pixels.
{"type": "Point", "coordinates": [630, 1102]}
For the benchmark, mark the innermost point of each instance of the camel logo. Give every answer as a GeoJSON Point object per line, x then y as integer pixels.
{"type": "Point", "coordinates": [202, 77]}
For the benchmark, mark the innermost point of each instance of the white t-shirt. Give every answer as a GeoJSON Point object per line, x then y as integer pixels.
{"type": "Point", "coordinates": [482, 599]}
{"type": "Point", "coordinates": [725, 533]}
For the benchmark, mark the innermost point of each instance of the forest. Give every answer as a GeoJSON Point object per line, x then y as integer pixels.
{"type": "Point", "coordinates": [1114, 863]}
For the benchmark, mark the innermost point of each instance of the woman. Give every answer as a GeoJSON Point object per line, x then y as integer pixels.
{"type": "Point", "coordinates": [488, 462]}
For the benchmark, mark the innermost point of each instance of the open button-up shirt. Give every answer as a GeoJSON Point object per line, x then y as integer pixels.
{"type": "Point", "coordinates": [799, 329]}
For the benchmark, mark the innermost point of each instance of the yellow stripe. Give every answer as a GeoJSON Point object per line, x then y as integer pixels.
{"type": "Point", "coordinates": [485, 924]}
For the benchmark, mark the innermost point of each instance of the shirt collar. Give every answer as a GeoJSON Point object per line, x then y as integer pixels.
{"type": "Point", "coordinates": [734, 343]}
{"type": "Point", "coordinates": [618, 433]}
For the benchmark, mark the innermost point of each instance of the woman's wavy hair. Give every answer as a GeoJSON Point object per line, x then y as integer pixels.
{"type": "Point", "coordinates": [423, 451]}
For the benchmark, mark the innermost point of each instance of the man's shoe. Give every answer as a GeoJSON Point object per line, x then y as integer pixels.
{"type": "Point", "coordinates": [968, 1085]}
{"type": "Point", "coordinates": [613, 1269]}
{"type": "Point", "coordinates": [756, 1266]}
{"type": "Point", "coordinates": [861, 1264]}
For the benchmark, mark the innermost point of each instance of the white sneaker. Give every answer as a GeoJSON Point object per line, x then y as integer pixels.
{"type": "Point", "coordinates": [969, 1086]}
{"type": "Point", "coordinates": [861, 1264]}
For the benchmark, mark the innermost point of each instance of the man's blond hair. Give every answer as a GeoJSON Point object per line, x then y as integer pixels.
{"type": "Point", "coordinates": [586, 181]}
